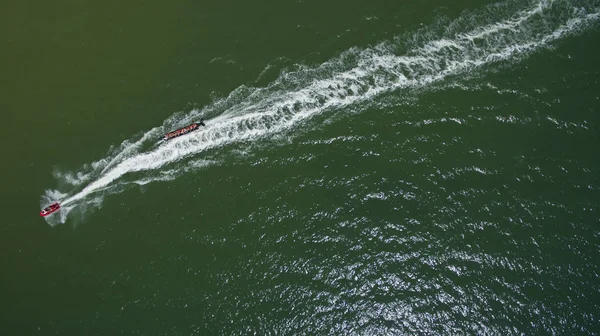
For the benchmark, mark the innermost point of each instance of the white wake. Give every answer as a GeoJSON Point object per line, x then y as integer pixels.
{"type": "Point", "coordinates": [496, 34]}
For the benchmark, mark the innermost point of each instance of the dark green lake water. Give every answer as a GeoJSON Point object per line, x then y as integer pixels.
{"type": "Point", "coordinates": [371, 168]}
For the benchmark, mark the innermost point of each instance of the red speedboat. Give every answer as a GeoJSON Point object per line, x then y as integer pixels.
{"type": "Point", "coordinates": [52, 208]}
{"type": "Point", "coordinates": [183, 130]}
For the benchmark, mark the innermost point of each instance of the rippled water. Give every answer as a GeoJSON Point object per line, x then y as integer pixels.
{"type": "Point", "coordinates": [471, 209]}
{"type": "Point", "coordinates": [428, 225]}
{"type": "Point", "coordinates": [437, 179]}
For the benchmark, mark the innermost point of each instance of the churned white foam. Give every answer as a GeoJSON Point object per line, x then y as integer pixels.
{"type": "Point", "coordinates": [358, 75]}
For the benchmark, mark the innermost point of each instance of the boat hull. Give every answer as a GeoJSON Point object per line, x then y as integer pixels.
{"type": "Point", "coordinates": [50, 210]}
{"type": "Point", "coordinates": [182, 131]}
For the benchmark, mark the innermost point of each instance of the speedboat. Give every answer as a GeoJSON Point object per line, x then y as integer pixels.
{"type": "Point", "coordinates": [184, 130]}
{"type": "Point", "coordinates": [50, 209]}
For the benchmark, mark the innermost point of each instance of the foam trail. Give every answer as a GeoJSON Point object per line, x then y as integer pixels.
{"type": "Point", "coordinates": [133, 148]}
{"type": "Point", "coordinates": [505, 35]}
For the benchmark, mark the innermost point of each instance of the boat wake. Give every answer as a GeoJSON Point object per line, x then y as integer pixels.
{"type": "Point", "coordinates": [499, 34]}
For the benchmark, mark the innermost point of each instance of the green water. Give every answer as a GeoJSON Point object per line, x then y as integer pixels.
{"type": "Point", "coordinates": [367, 168]}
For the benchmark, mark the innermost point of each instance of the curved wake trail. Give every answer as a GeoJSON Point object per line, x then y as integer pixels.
{"type": "Point", "coordinates": [498, 33]}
